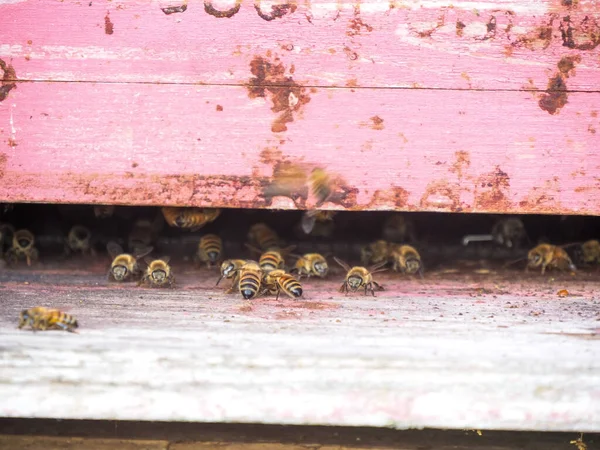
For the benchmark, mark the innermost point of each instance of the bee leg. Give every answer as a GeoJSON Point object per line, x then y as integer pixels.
{"type": "Point", "coordinates": [277, 296]}
{"type": "Point", "coordinates": [343, 288]}
{"type": "Point", "coordinates": [379, 287]}
{"type": "Point", "coordinates": [543, 268]}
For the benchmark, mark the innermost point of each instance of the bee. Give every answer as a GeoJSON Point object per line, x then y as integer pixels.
{"type": "Point", "coordinates": [358, 277]}
{"type": "Point", "coordinates": [263, 237]}
{"type": "Point", "coordinates": [158, 273]}
{"type": "Point", "coordinates": [103, 211]}
{"type": "Point", "coordinates": [144, 233]}
{"type": "Point", "coordinates": [190, 218]}
{"type": "Point", "coordinates": [509, 232]}
{"type": "Point", "coordinates": [230, 269]}
{"type": "Point", "coordinates": [250, 278]}
{"type": "Point", "coordinates": [549, 256]}
{"type": "Point", "coordinates": [397, 228]}
{"type": "Point", "coordinates": [40, 318]}
{"type": "Point", "coordinates": [23, 246]}
{"type": "Point", "coordinates": [406, 259]}
{"type": "Point", "coordinates": [79, 239]}
{"type": "Point", "coordinates": [375, 252]}
{"type": "Point", "coordinates": [209, 249]}
{"type": "Point", "coordinates": [311, 264]}
{"type": "Point", "coordinates": [310, 220]}
{"type": "Point", "coordinates": [277, 281]}
{"type": "Point", "coordinates": [320, 185]}
{"type": "Point", "coordinates": [124, 266]}
{"type": "Point", "coordinates": [591, 252]}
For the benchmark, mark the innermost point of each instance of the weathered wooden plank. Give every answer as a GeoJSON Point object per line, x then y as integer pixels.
{"type": "Point", "coordinates": [451, 351]}
{"type": "Point", "coordinates": [488, 44]}
{"type": "Point", "coordinates": [75, 443]}
{"type": "Point", "coordinates": [213, 145]}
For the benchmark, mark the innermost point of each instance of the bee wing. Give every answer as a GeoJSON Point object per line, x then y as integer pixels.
{"type": "Point", "coordinates": [253, 248]}
{"type": "Point", "coordinates": [377, 267]}
{"type": "Point", "coordinates": [166, 259]}
{"type": "Point", "coordinates": [514, 261]}
{"type": "Point", "coordinates": [114, 249]}
{"type": "Point", "coordinates": [287, 250]}
{"type": "Point", "coordinates": [141, 252]}
{"type": "Point", "coordinates": [342, 263]}
{"type": "Point", "coordinates": [308, 221]}
{"type": "Point", "coordinates": [570, 244]}
{"type": "Point", "coordinates": [148, 260]}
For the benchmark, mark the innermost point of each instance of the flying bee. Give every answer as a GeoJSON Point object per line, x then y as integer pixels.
{"type": "Point", "coordinates": [277, 281]}
{"type": "Point", "coordinates": [398, 228]}
{"type": "Point", "coordinates": [190, 218]}
{"type": "Point", "coordinates": [230, 269]}
{"type": "Point", "coordinates": [320, 185]}
{"type": "Point", "coordinates": [311, 264]}
{"type": "Point", "coordinates": [23, 246]}
{"type": "Point", "coordinates": [250, 278]}
{"type": "Point", "coordinates": [323, 218]}
{"type": "Point", "coordinates": [124, 267]}
{"type": "Point", "coordinates": [79, 239]}
{"type": "Point", "coordinates": [263, 237]}
{"type": "Point", "coordinates": [103, 211]}
{"type": "Point", "coordinates": [406, 259]}
{"type": "Point", "coordinates": [358, 277]}
{"type": "Point", "coordinates": [158, 273]}
{"type": "Point", "coordinates": [549, 256]}
{"type": "Point", "coordinates": [40, 318]}
{"type": "Point", "coordinates": [375, 252]}
{"type": "Point", "coordinates": [209, 249]}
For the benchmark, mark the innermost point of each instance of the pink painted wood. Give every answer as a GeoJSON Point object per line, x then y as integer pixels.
{"type": "Point", "coordinates": [124, 103]}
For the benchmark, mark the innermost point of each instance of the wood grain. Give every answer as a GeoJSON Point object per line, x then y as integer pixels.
{"type": "Point", "coordinates": [215, 145]}
{"type": "Point", "coordinates": [74, 443]}
{"type": "Point", "coordinates": [449, 352]}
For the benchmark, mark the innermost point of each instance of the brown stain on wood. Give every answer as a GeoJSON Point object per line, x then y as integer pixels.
{"type": "Point", "coordinates": [227, 14]}
{"type": "Point", "coordinates": [219, 108]}
{"type": "Point", "coordinates": [108, 25]}
{"type": "Point", "coordinates": [9, 79]}
{"type": "Point", "coordinates": [556, 95]}
{"type": "Point", "coordinates": [460, 26]}
{"type": "Point", "coordinates": [3, 159]}
{"type": "Point", "coordinates": [584, 35]}
{"type": "Point", "coordinates": [544, 199]}
{"type": "Point", "coordinates": [356, 25]}
{"type": "Point", "coordinates": [461, 163]}
{"type": "Point", "coordinates": [396, 195]}
{"type": "Point", "coordinates": [277, 11]}
{"type": "Point", "coordinates": [377, 123]}
{"type": "Point", "coordinates": [491, 191]}
{"type": "Point", "coordinates": [287, 96]}
{"type": "Point", "coordinates": [538, 39]}
{"type": "Point", "coordinates": [175, 9]}
{"type": "Point", "coordinates": [314, 305]}
{"type": "Point", "coordinates": [441, 195]}
{"type": "Point", "coordinates": [12, 142]}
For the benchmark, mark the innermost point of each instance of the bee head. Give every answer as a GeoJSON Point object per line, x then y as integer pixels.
{"type": "Point", "coordinates": [535, 259]}
{"type": "Point", "coordinates": [355, 282]}
{"type": "Point", "coordinates": [213, 256]}
{"type": "Point", "coordinates": [119, 272]}
{"type": "Point", "coordinates": [321, 268]}
{"type": "Point", "coordinates": [159, 275]}
{"type": "Point", "coordinates": [413, 265]}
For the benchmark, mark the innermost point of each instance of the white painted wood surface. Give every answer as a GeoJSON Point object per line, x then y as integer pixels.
{"type": "Point", "coordinates": [460, 354]}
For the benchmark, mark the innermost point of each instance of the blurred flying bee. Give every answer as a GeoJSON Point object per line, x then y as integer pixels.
{"type": "Point", "coordinates": [508, 232]}
{"type": "Point", "coordinates": [406, 259]}
{"type": "Point", "coordinates": [320, 185]}
{"type": "Point", "coordinates": [6, 234]}
{"type": "Point", "coordinates": [79, 239]}
{"type": "Point", "coordinates": [277, 281]}
{"type": "Point", "coordinates": [263, 237]}
{"type": "Point", "coordinates": [397, 228]}
{"type": "Point", "coordinates": [375, 252]}
{"type": "Point", "coordinates": [587, 252]}
{"type": "Point", "coordinates": [23, 247]}
{"type": "Point", "coordinates": [144, 233]}
{"type": "Point", "coordinates": [124, 267]}
{"type": "Point", "coordinates": [318, 222]}
{"type": "Point", "coordinates": [289, 180]}
{"type": "Point", "coordinates": [40, 318]}
{"type": "Point", "coordinates": [103, 211]}
{"type": "Point", "coordinates": [250, 278]}
{"type": "Point", "coordinates": [360, 277]}
{"type": "Point", "coordinates": [190, 218]}
{"type": "Point", "coordinates": [311, 264]}
{"type": "Point", "coordinates": [158, 273]}
{"type": "Point", "coordinates": [209, 249]}
{"type": "Point", "coordinates": [230, 269]}
{"type": "Point", "coordinates": [549, 256]}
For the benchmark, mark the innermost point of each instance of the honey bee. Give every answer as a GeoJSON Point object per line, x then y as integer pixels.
{"type": "Point", "coordinates": [143, 234]}
{"type": "Point", "coordinates": [263, 237]}
{"type": "Point", "coordinates": [406, 259]}
{"type": "Point", "coordinates": [509, 232]}
{"type": "Point", "coordinates": [397, 228]}
{"type": "Point", "coordinates": [209, 249]}
{"type": "Point", "coordinates": [124, 267]}
{"type": "Point", "coordinates": [318, 217]}
{"type": "Point", "coordinates": [23, 246]}
{"type": "Point", "coordinates": [271, 260]}
{"type": "Point", "coordinates": [549, 256]}
{"type": "Point", "coordinates": [250, 278]}
{"type": "Point", "coordinates": [190, 218]}
{"type": "Point", "coordinates": [357, 277]}
{"type": "Point", "coordinates": [230, 269]}
{"type": "Point", "coordinates": [320, 185]}
{"type": "Point", "coordinates": [591, 252]}
{"type": "Point", "coordinates": [311, 264]}
{"type": "Point", "coordinates": [40, 318]}
{"type": "Point", "coordinates": [375, 252]}
{"type": "Point", "coordinates": [103, 211]}
{"type": "Point", "coordinates": [79, 239]}
{"type": "Point", "coordinates": [158, 273]}
{"type": "Point", "coordinates": [277, 281]}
